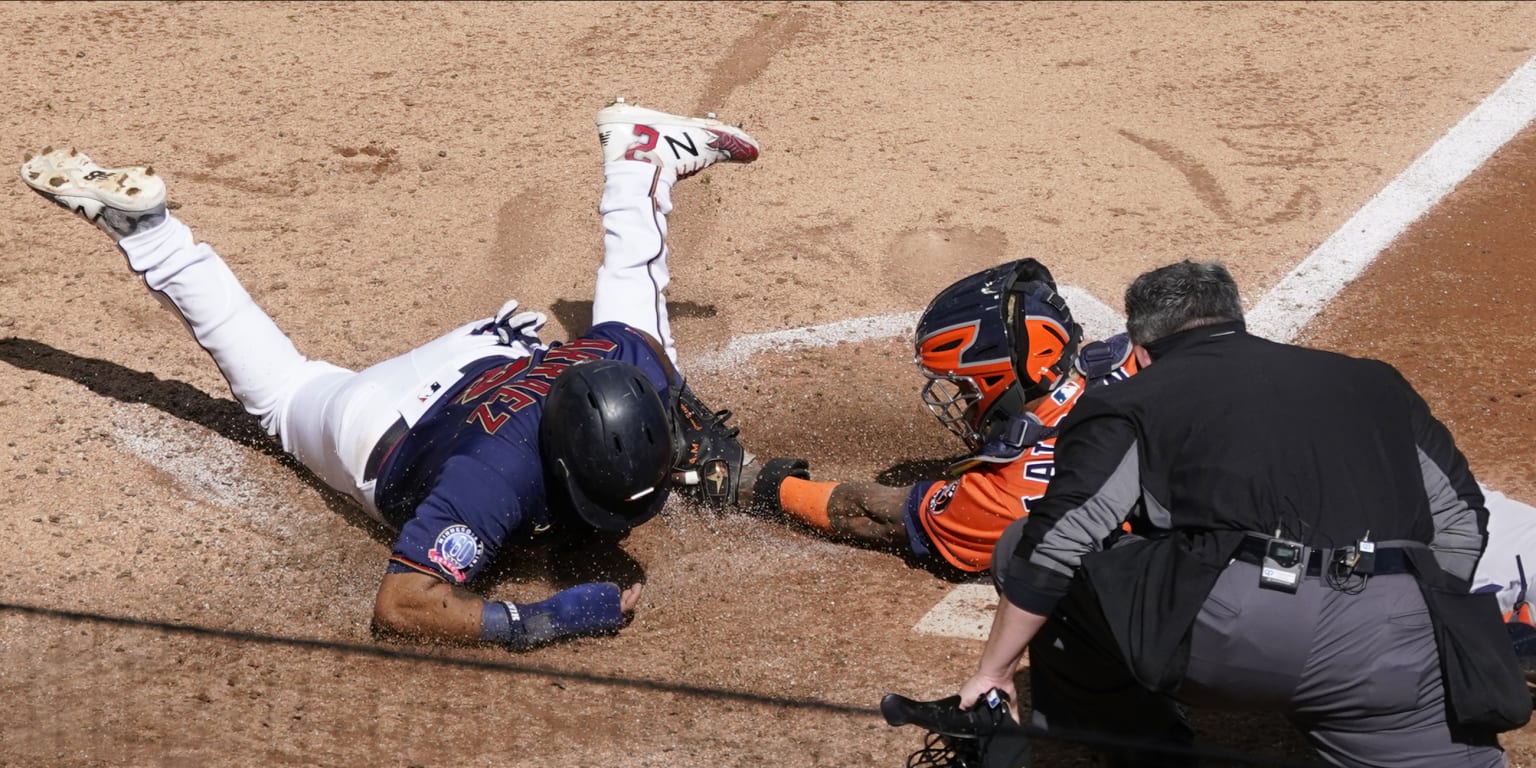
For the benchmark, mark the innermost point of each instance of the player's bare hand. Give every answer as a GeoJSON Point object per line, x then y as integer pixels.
{"type": "Point", "coordinates": [630, 598]}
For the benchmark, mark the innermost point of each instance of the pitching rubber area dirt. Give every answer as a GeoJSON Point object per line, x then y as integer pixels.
{"type": "Point", "coordinates": [175, 593]}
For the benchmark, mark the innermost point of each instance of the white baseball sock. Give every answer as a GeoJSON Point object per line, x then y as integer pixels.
{"type": "Point", "coordinates": [632, 282]}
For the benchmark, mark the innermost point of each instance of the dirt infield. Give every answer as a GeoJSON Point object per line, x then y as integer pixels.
{"type": "Point", "coordinates": [378, 173]}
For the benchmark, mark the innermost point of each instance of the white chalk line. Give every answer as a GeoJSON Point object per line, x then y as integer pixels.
{"type": "Point", "coordinates": [1297, 298]}
{"type": "Point", "coordinates": [1096, 317]}
{"type": "Point", "coordinates": [1305, 290]}
{"type": "Point", "coordinates": [739, 350]}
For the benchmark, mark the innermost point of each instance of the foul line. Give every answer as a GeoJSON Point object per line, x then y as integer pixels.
{"type": "Point", "coordinates": [1305, 290]}
{"type": "Point", "coordinates": [1281, 314]}
{"type": "Point", "coordinates": [1296, 299]}
{"type": "Point", "coordinates": [1096, 317]}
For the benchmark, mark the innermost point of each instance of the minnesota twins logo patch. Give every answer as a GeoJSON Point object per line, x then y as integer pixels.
{"type": "Point", "coordinates": [455, 551]}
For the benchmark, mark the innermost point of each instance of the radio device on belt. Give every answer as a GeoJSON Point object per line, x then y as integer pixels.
{"type": "Point", "coordinates": [1358, 560]}
{"type": "Point", "coordinates": [1284, 563]}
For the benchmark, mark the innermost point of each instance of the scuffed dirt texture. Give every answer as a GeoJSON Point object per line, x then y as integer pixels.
{"type": "Point", "coordinates": [378, 173]}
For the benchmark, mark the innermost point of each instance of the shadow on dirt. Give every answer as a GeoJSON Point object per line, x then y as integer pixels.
{"type": "Point", "coordinates": [905, 473]}
{"type": "Point", "coordinates": [183, 401]}
{"type": "Point", "coordinates": [576, 316]}
{"type": "Point", "coordinates": [437, 657]}
{"type": "Point", "coordinates": [563, 560]}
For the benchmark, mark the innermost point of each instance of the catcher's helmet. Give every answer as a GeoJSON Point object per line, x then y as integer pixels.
{"type": "Point", "coordinates": [607, 440]}
{"type": "Point", "coordinates": [990, 343]}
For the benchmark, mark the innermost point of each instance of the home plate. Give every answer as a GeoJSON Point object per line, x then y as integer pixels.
{"type": "Point", "coordinates": [965, 612]}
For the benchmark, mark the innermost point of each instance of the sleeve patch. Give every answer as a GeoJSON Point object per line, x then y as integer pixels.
{"type": "Point", "coordinates": [456, 551]}
{"type": "Point", "coordinates": [941, 498]}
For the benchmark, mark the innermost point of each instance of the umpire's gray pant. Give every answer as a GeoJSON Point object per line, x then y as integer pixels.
{"type": "Point", "coordinates": [1358, 674]}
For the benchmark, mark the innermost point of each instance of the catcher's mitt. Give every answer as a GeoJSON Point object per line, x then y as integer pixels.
{"type": "Point", "coordinates": [709, 457]}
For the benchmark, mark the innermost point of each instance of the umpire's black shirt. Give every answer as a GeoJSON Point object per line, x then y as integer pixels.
{"type": "Point", "coordinates": [1226, 433]}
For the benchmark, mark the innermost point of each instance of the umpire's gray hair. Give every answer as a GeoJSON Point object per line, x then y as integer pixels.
{"type": "Point", "coordinates": [1180, 296]}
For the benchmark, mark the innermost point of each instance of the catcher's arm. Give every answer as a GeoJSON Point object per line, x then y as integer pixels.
{"type": "Point", "coordinates": [862, 512]}
{"type": "Point", "coordinates": [715, 469]}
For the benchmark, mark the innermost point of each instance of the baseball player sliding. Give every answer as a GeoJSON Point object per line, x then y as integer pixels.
{"type": "Point", "coordinates": [485, 434]}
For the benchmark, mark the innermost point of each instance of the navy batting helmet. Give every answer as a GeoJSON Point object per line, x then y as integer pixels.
{"type": "Point", "coordinates": [987, 333]}
{"type": "Point", "coordinates": [606, 437]}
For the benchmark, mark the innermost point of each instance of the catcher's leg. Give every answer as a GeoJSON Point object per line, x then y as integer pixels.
{"type": "Point", "coordinates": [1508, 563]}
{"type": "Point", "coordinates": [1080, 682]}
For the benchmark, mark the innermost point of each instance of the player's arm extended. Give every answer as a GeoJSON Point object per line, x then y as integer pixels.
{"type": "Point", "coordinates": [421, 606]}
{"type": "Point", "coordinates": [863, 512]}
{"type": "Point", "coordinates": [860, 510]}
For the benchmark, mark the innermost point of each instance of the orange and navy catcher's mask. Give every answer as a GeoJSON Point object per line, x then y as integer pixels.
{"type": "Point", "coordinates": [992, 342]}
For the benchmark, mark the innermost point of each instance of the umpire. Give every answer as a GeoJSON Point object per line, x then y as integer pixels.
{"type": "Point", "coordinates": [1301, 536]}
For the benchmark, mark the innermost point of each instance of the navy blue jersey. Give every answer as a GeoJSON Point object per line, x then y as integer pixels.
{"type": "Point", "coordinates": [468, 477]}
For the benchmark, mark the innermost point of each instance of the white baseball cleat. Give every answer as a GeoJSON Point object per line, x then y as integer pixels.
{"type": "Point", "coordinates": [119, 201]}
{"type": "Point", "coordinates": [687, 145]}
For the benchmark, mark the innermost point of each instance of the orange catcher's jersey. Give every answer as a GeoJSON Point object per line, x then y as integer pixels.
{"type": "Point", "coordinates": [963, 518]}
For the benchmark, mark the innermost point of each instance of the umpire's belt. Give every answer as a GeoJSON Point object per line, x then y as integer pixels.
{"type": "Point", "coordinates": [1389, 560]}
{"type": "Point", "coordinates": [384, 447]}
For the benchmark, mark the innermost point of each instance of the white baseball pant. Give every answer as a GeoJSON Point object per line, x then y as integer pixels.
{"type": "Point", "coordinates": [1511, 549]}
{"type": "Point", "coordinates": [330, 418]}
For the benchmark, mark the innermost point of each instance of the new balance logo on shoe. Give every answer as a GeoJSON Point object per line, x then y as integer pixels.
{"type": "Point", "coordinates": [628, 132]}
{"type": "Point", "coordinates": [675, 144]}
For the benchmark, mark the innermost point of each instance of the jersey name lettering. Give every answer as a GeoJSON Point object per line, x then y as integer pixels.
{"type": "Point", "coordinates": [508, 399]}
{"type": "Point", "coordinates": [1040, 471]}
{"type": "Point", "coordinates": [492, 379]}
